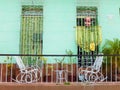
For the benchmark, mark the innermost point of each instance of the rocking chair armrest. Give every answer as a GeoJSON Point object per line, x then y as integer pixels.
{"type": "Point", "coordinates": [23, 70]}
{"type": "Point", "coordinates": [36, 67]}
{"type": "Point", "coordinates": [89, 68]}
{"type": "Point", "coordinates": [80, 68]}
{"type": "Point", "coordinates": [85, 70]}
{"type": "Point", "coordinates": [28, 69]}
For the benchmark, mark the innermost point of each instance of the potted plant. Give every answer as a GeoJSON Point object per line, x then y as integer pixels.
{"type": "Point", "coordinates": [112, 47]}
{"type": "Point", "coordinates": [71, 59]}
{"type": "Point", "coordinates": [9, 68]}
{"type": "Point", "coordinates": [71, 66]}
{"type": "Point", "coordinates": [60, 63]}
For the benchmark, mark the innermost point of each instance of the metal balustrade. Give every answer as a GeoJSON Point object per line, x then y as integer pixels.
{"type": "Point", "coordinates": [57, 68]}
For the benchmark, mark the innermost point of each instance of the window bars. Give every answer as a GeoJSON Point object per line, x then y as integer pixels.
{"type": "Point", "coordinates": [88, 34]}
{"type": "Point", "coordinates": [31, 31]}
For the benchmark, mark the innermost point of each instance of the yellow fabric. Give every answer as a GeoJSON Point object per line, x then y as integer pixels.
{"type": "Point", "coordinates": [31, 25]}
{"type": "Point", "coordinates": [86, 36]}
{"type": "Point", "coordinates": [92, 46]}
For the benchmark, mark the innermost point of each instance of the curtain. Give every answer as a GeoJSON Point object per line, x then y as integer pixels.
{"type": "Point", "coordinates": [31, 32]}
{"type": "Point", "coordinates": [88, 37]}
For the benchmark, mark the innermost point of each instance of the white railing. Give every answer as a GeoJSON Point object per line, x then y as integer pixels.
{"type": "Point", "coordinates": [57, 68]}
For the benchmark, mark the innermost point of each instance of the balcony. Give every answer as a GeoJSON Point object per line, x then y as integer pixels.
{"type": "Point", "coordinates": [50, 65]}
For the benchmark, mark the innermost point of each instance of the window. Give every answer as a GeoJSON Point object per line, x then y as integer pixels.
{"type": "Point", "coordinates": [31, 30]}
{"type": "Point", "coordinates": [86, 14]}
{"type": "Point", "coordinates": [88, 34]}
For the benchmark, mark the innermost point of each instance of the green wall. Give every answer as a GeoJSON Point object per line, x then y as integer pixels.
{"type": "Point", "coordinates": [9, 26]}
{"type": "Point", "coordinates": [109, 18]}
{"type": "Point", "coordinates": [59, 23]}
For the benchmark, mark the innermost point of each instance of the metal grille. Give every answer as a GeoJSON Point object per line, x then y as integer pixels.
{"type": "Point", "coordinates": [31, 31]}
{"type": "Point", "coordinates": [87, 33]}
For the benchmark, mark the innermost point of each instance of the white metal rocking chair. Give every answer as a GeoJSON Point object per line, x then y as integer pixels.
{"type": "Point", "coordinates": [92, 73]}
{"type": "Point", "coordinates": [27, 74]}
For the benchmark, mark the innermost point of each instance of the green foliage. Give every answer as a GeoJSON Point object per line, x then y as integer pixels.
{"type": "Point", "coordinates": [59, 60]}
{"type": "Point", "coordinates": [111, 46]}
{"type": "Point", "coordinates": [8, 60]}
{"type": "Point", "coordinates": [69, 52]}
{"type": "Point", "coordinates": [66, 83]}
{"type": "Point", "coordinates": [71, 59]}
{"type": "Point", "coordinates": [33, 61]}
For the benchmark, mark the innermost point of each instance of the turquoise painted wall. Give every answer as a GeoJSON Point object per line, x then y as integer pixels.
{"type": "Point", "coordinates": [59, 23]}
{"type": "Point", "coordinates": [59, 31]}
{"type": "Point", "coordinates": [9, 26]}
{"type": "Point", "coordinates": [109, 17]}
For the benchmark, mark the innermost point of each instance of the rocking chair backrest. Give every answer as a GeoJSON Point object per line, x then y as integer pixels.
{"type": "Point", "coordinates": [98, 62]}
{"type": "Point", "coordinates": [19, 62]}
